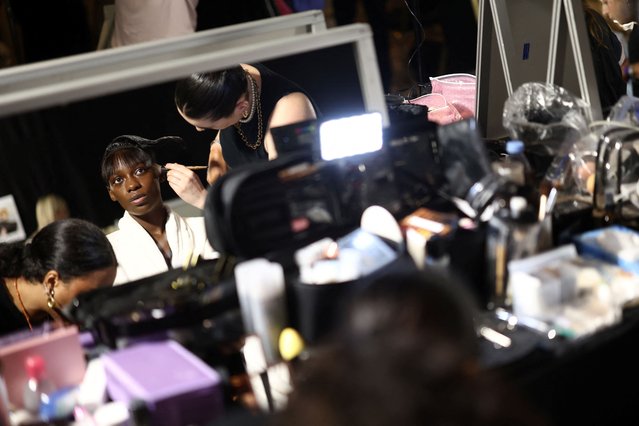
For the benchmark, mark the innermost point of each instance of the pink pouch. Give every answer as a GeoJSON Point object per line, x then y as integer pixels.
{"type": "Point", "coordinates": [439, 110]}
{"type": "Point", "coordinates": [459, 90]}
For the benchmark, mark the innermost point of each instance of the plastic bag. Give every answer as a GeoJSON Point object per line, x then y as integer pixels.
{"type": "Point", "coordinates": [581, 154]}
{"type": "Point", "coordinates": [545, 116]}
{"type": "Point", "coordinates": [626, 111]}
{"type": "Point", "coordinates": [572, 171]}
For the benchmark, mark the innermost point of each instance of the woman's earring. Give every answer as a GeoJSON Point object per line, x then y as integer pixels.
{"type": "Point", "coordinates": [51, 303]}
{"type": "Point", "coordinates": [245, 114]}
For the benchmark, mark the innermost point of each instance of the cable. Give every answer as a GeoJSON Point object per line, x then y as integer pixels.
{"type": "Point", "coordinates": [421, 34]}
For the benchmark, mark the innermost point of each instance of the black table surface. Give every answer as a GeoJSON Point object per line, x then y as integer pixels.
{"type": "Point", "coordinates": [587, 381]}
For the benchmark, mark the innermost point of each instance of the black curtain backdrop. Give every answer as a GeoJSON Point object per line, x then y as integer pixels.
{"type": "Point", "coordinates": [59, 149]}
{"type": "Point", "coordinates": [329, 75]}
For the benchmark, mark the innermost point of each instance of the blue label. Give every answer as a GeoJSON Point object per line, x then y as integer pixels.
{"type": "Point", "coordinates": [526, 51]}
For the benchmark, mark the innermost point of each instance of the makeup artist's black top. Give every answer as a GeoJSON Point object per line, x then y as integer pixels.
{"type": "Point", "coordinates": [11, 319]}
{"type": "Point", "coordinates": [274, 87]}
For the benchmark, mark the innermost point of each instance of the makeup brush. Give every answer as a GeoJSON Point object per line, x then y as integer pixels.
{"type": "Point", "coordinates": [163, 169]}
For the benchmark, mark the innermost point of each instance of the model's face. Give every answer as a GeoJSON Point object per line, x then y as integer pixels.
{"type": "Point", "coordinates": [136, 188]}
{"type": "Point", "coordinates": [69, 289]}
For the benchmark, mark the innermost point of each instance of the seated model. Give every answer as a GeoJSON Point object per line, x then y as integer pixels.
{"type": "Point", "coordinates": [151, 238]}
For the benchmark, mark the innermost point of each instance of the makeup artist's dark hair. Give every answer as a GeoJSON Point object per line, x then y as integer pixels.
{"type": "Point", "coordinates": [127, 150]}
{"type": "Point", "coordinates": [211, 95]}
{"type": "Point", "coordinates": [72, 247]}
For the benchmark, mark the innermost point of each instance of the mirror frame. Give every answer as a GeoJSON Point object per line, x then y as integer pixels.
{"type": "Point", "coordinates": [78, 77]}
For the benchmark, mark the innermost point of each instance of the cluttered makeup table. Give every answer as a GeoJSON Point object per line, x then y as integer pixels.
{"type": "Point", "coordinates": [557, 321]}
{"type": "Point", "coordinates": [216, 370]}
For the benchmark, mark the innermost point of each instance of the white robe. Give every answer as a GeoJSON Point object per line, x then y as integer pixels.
{"type": "Point", "coordinates": [139, 256]}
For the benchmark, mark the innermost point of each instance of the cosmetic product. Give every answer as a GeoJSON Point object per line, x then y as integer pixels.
{"type": "Point", "coordinates": [38, 387]}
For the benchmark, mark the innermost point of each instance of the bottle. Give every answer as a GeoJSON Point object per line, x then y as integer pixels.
{"type": "Point", "coordinates": [524, 230]}
{"type": "Point", "coordinates": [515, 167]}
{"type": "Point", "coordinates": [517, 176]}
{"type": "Point", "coordinates": [513, 233]}
{"type": "Point", "coordinates": [497, 235]}
{"type": "Point", "coordinates": [516, 152]}
{"type": "Point", "coordinates": [37, 386]}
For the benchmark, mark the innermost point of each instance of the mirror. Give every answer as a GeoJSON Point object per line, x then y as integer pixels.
{"type": "Point", "coordinates": [57, 116]}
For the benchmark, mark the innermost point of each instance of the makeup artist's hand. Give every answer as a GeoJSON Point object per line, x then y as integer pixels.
{"type": "Point", "coordinates": [186, 184]}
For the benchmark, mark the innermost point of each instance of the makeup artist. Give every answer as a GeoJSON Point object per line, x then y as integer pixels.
{"type": "Point", "coordinates": [63, 259]}
{"type": "Point", "coordinates": [243, 102]}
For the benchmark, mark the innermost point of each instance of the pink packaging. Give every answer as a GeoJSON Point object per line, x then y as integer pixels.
{"type": "Point", "coordinates": [177, 387]}
{"type": "Point", "coordinates": [439, 110]}
{"type": "Point", "coordinates": [60, 348]}
{"type": "Point", "coordinates": [460, 90]}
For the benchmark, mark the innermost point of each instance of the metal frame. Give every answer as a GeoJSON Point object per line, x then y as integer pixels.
{"type": "Point", "coordinates": [101, 73]}
{"type": "Point", "coordinates": [94, 74]}
{"type": "Point", "coordinates": [78, 77]}
{"type": "Point", "coordinates": [71, 67]}
{"type": "Point", "coordinates": [581, 51]}
{"type": "Point", "coordinates": [494, 22]}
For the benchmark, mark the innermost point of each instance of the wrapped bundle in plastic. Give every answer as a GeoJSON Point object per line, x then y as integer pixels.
{"type": "Point", "coordinates": [545, 116]}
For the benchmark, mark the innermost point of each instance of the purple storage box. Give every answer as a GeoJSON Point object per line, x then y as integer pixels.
{"type": "Point", "coordinates": [178, 388]}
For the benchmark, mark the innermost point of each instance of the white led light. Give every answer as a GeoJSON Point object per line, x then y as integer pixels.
{"type": "Point", "coordinates": [344, 137]}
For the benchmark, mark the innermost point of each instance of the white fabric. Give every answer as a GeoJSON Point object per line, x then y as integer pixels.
{"type": "Point", "coordinates": [138, 255]}
{"type": "Point", "coordinates": [137, 21]}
